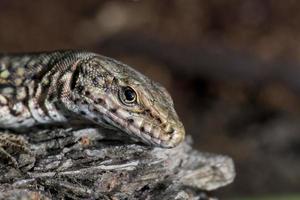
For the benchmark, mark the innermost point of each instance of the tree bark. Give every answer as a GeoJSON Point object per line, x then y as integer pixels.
{"type": "Point", "coordinates": [101, 164]}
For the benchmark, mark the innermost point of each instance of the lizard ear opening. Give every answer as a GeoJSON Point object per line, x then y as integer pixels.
{"type": "Point", "coordinates": [74, 78]}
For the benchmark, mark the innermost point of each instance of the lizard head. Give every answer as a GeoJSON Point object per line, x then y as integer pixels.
{"type": "Point", "coordinates": [113, 94]}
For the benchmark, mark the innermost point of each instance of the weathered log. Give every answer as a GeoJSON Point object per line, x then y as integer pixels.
{"type": "Point", "coordinates": [93, 164]}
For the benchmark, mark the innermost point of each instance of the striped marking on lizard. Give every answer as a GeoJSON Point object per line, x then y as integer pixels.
{"type": "Point", "coordinates": [67, 86]}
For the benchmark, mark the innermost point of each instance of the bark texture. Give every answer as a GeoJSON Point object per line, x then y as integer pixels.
{"type": "Point", "coordinates": [101, 164]}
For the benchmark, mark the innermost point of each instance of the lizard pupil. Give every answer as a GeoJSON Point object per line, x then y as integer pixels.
{"type": "Point", "coordinates": [129, 94]}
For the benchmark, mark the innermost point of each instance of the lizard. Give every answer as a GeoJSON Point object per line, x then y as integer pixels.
{"type": "Point", "coordinates": [74, 87]}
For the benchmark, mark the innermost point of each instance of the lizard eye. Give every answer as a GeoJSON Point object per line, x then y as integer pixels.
{"type": "Point", "coordinates": [128, 95]}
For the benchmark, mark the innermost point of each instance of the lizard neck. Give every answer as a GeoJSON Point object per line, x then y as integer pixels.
{"type": "Point", "coordinates": [37, 97]}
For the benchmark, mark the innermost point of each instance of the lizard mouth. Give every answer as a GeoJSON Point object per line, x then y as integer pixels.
{"type": "Point", "coordinates": [157, 136]}
{"type": "Point", "coordinates": [168, 137]}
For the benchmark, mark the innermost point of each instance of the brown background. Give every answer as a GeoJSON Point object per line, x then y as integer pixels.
{"type": "Point", "coordinates": [231, 66]}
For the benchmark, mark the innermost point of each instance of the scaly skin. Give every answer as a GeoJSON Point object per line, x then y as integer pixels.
{"type": "Point", "coordinates": [72, 86]}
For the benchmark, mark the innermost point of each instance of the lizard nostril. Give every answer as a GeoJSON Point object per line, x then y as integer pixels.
{"type": "Point", "coordinates": [169, 130]}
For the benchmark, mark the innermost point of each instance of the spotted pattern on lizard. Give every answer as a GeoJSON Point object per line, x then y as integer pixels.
{"type": "Point", "coordinates": [76, 87]}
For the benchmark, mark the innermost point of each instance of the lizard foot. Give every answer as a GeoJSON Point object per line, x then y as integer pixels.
{"type": "Point", "coordinates": [10, 145]}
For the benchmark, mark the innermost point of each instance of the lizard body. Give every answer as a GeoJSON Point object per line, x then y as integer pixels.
{"type": "Point", "coordinates": [74, 86]}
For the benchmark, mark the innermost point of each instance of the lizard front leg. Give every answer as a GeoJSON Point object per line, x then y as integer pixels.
{"type": "Point", "coordinates": [11, 145]}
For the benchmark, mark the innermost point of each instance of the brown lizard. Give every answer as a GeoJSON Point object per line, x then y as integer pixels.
{"type": "Point", "coordinates": [67, 87]}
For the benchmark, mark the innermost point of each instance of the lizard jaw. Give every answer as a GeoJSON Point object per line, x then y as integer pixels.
{"type": "Point", "coordinates": [166, 135]}
{"type": "Point", "coordinates": [169, 137]}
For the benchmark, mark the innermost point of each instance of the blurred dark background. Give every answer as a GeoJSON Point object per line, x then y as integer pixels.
{"type": "Point", "coordinates": [232, 67]}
